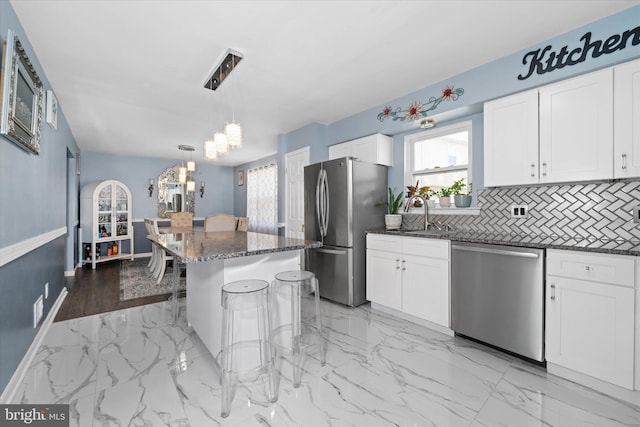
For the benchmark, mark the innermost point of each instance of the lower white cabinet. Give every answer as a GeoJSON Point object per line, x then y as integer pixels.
{"type": "Point", "coordinates": [410, 274]}
{"type": "Point", "coordinates": [590, 314]}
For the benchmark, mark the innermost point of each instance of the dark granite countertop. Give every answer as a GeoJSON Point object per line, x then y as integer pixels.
{"type": "Point", "coordinates": [609, 246]}
{"type": "Point", "coordinates": [201, 246]}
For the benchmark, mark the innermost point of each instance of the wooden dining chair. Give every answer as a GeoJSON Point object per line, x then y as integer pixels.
{"type": "Point", "coordinates": [220, 222]}
{"type": "Point", "coordinates": [182, 220]}
{"type": "Point", "coordinates": [243, 223]}
{"type": "Point", "coordinates": [161, 255]}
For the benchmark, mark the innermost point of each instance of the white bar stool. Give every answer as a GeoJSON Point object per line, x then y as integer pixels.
{"type": "Point", "coordinates": [247, 350]}
{"type": "Point", "coordinates": [293, 326]}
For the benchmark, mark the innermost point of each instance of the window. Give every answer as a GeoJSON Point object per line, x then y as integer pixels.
{"type": "Point", "coordinates": [262, 199]}
{"type": "Point", "coordinates": [438, 157]}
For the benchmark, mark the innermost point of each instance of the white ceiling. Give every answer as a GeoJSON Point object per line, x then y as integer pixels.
{"type": "Point", "coordinates": [129, 74]}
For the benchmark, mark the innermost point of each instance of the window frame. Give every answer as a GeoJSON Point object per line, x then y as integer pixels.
{"type": "Point", "coordinates": [409, 148]}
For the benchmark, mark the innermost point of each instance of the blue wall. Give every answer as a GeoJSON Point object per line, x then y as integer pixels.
{"type": "Point", "coordinates": [135, 173]}
{"type": "Point", "coordinates": [33, 201]}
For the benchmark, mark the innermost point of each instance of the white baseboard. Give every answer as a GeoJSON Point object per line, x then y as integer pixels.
{"type": "Point", "coordinates": [600, 386]}
{"type": "Point", "coordinates": [413, 319]}
{"type": "Point", "coordinates": [18, 376]}
{"type": "Point", "coordinates": [68, 273]}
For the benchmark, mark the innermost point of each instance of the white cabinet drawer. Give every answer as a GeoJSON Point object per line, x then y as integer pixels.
{"type": "Point", "coordinates": [612, 269]}
{"type": "Point", "coordinates": [432, 248]}
{"type": "Point", "coordinates": [381, 242]}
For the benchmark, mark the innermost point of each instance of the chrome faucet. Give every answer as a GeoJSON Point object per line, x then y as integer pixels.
{"type": "Point", "coordinates": [426, 208]}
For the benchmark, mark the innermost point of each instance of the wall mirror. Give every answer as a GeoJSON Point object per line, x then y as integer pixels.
{"type": "Point", "coordinates": [22, 97]}
{"type": "Point", "coordinates": [173, 196]}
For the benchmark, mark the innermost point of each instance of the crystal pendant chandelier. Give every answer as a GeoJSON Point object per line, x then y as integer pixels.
{"type": "Point", "coordinates": [210, 152]}
{"type": "Point", "coordinates": [231, 137]}
{"type": "Point", "coordinates": [184, 172]}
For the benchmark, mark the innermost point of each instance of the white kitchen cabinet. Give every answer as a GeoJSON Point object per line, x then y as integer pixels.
{"type": "Point", "coordinates": [562, 132]}
{"type": "Point", "coordinates": [626, 98]}
{"type": "Point", "coordinates": [576, 128]}
{"type": "Point", "coordinates": [376, 148]}
{"type": "Point", "coordinates": [384, 278]}
{"type": "Point", "coordinates": [105, 213]}
{"type": "Point", "coordinates": [411, 275]}
{"type": "Point", "coordinates": [590, 314]}
{"type": "Point", "coordinates": [511, 140]}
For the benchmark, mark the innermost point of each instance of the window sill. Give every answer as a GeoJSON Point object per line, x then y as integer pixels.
{"type": "Point", "coordinates": [446, 211]}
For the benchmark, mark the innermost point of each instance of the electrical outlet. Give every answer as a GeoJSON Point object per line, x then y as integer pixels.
{"type": "Point", "coordinates": [46, 290]}
{"type": "Point", "coordinates": [38, 310]}
{"type": "Point", "coordinates": [636, 214]}
{"type": "Point", "coordinates": [519, 211]}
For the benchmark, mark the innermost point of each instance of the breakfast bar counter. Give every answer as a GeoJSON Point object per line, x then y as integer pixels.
{"type": "Point", "coordinates": [215, 258]}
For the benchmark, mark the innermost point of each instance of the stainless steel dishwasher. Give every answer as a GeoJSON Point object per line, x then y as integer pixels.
{"type": "Point", "coordinates": [497, 296]}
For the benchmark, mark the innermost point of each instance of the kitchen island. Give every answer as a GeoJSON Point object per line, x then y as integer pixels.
{"type": "Point", "coordinates": [215, 258]}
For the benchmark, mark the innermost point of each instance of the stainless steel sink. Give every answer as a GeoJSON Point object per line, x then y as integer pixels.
{"type": "Point", "coordinates": [431, 232]}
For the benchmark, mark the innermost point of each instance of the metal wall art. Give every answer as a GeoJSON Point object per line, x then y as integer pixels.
{"type": "Point", "coordinates": [417, 110]}
{"type": "Point", "coordinates": [22, 97]}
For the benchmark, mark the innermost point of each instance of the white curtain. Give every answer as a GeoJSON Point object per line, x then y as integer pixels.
{"type": "Point", "coordinates": [262, 199]}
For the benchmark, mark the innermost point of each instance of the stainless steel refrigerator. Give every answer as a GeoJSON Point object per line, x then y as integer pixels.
{"type": "Point", "coordinates": [340, 205]}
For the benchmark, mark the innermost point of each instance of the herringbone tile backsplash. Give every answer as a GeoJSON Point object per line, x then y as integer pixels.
{"type": "Point", "coordinates": [593, 211]}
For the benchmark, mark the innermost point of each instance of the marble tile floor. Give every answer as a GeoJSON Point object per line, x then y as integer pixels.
{"type": "Point", "coordinates": [132, 367]}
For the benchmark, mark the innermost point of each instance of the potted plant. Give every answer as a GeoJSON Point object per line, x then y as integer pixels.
{"type": "Point", "coordinates": [461, 198]}
{"type": "Point", "coordinates": [392, 219]}
{"type": "Point", "coordinates": [445, 197]}
{"type": "Point", "coordinates": [427, 193]}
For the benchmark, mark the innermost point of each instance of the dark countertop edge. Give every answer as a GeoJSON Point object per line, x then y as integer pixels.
{"type": "Point", "coordinates": [187, 260]}
{"type": "Point", "coordinates": [460, 237]}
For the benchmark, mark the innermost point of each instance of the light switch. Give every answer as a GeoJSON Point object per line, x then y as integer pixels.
{"type": "Point", "coordinates": [636, 214]}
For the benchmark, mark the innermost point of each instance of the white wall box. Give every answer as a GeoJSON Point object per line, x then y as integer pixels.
{"type": "Point", "coordinates": [590, 300]}
{"type": "Point", "coordinates": [376, 148]}
{"type": "Point", "coordinates": [105, 214]}
{"type": "Point", "coordinates": [626, 98]}
{"type": "Point", "coordinates": [410, 275]}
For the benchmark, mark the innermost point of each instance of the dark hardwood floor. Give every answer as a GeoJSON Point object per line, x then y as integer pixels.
{"type": "Point", "coordinates": [97, 291]}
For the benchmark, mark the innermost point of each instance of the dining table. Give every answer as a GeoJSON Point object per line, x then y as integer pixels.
{"type": "Point", "coordinates": [213, 259]}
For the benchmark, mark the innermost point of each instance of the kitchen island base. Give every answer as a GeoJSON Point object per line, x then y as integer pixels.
{"type": "Point", "coordinates": [204, 292]}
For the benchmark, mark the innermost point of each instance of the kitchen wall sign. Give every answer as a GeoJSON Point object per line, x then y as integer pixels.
{"type": "Point", "coordinates": [417, 110]}
{"type": "Point", "coordinates": [545, 60]}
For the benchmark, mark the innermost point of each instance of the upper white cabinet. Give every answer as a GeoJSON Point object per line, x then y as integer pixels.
{"type": "Point", "coordinates": [580, 129]}
{"type": "Point", "coordinates": [626, 98]}
{"type": "Point", "coordinates": [590, 315]}
{"type": "Point", "coordinates": [511, 140]}
{"type": "Point", "coordinates": [375, 148]}
{"type": "Point", "coordinates": [576, 128]}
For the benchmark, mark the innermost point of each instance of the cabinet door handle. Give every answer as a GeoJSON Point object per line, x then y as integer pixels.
{"type": "Point", "coordinates": [403, 265]}
{"type": "Point", "coordinates": [553, 292]}
{"type": "Point", "coordinates": [544, 169]}
{"type": "Point", "coordinates": [533, 170]}
{"type": "Point", "coordinates": [587, 268]}
{"type": "Point", "coordinates": [397, 264]}
{"type": "Point", "coordinates": [624, 161]}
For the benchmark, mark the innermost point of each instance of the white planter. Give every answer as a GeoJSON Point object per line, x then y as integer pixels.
{"type": "Point", "coordinates": [445, 202]}
{"type": "Point", "coordinates": [393, 221]}
{"type": "Point", "coordinates": [431, 203]}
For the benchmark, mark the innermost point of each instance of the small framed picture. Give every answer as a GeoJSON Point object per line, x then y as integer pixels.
{"type": "Point", "coordinates": [52, 110]}
{"type": "Point", "coordinates": [240, 178]}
